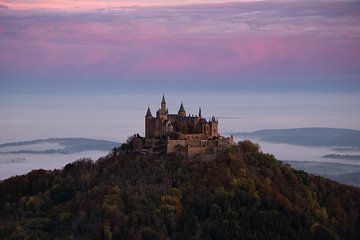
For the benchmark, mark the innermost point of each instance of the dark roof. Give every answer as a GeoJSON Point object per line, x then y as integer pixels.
{"type": "Point", "coordinates": [148, 113]}
{"type": "Point", "coordinates": [181, 109]}
{"type": "Point", "coordinates": [163, 99]}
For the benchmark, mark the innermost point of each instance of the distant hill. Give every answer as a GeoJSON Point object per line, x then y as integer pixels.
{"type": "Point", "coordinates": [342, 156]}
{"type": "Point", "coordinates": [344, 173]}
{"type": "Point", "coordinates": [243, 194]}
{"type": "Point", "coordinates": [57, 145]}
{"type": "Point", "coordinates": [349, 178]}
{"type": "Point", "coordinates": [346, 139]}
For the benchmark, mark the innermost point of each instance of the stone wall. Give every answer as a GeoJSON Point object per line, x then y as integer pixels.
{"type": "Point", "coordinates": [191, 151]}
{"type": "Point", "coordinates": [226, 140]}
{"type": "Point", "coordinates": [196, 136]}
{"type": "Point", "coordinates": [151, 142]}
{"type": "Point", "coordinates": [171, 144]}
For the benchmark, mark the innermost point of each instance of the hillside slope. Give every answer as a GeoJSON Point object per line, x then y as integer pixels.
{"type": "Point", "coordinates": [244, 194]}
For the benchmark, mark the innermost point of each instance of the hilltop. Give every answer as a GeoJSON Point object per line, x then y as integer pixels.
{"type": "Point", "coordinates": [242, 194]}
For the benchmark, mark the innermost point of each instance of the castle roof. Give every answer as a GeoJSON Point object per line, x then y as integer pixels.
{"type": "Point", "coordinates": [163, 99]}
{"type": "Point", "coordinates": [181, 109]}
{"type": "Point", "coordinates": [148, 113]}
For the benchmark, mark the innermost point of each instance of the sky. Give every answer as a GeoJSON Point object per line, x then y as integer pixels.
{"type": "Point", "coordinates": [80, 5]}
{"type": "Point", "coordinates": [90, 68]}
{"type": "Point", "coordinates": [158, 45]}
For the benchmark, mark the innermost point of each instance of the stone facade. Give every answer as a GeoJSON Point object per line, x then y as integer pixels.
{"type": "Point", "coordinates": [164, 124]}
{"type": "Point", "coordinates": [189, 135]}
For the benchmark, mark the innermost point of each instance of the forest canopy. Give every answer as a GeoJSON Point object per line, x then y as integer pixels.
{"type": "Point", "coordinates": [243, 194]}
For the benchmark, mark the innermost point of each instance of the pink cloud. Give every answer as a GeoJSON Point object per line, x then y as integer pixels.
{"type": "Point", "coordinates": [66, 5]}
{"type": "Point", "coordinates": [238, 56]}
{"type": "Point", "coordinates": [230, 40]}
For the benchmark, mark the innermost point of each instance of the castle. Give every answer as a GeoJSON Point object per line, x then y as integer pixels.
{"type": "Point", "coordinates": [189, 135]}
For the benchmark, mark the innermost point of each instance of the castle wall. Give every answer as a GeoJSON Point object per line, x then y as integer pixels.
{"type": "Point", "coordinates": [171, 145]}
{"type": "Point", "coordinates": [151, 142]}
{"type": "Point", "coordinates": [197, 146]}
{"type": "Point", "coordinates": [214, 128]}
{"type": "Point", "coordinates": [150, 127]}
{"type": "Point", "coordinates": [137, 143]}
{"type": "Point", "coordinates": [226, 140]}
{"type": "Point", "coordinates": [194, 143]}
{"type": "Point", "coordinates": [196, 136]}
{"type": "Point", "coordinates": [191, 151]}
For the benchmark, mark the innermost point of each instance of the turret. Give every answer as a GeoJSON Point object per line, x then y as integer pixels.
{"type": "Point", "coordinates": [148, 121]}
{"type": "Point", "coordinates": [148, 113]}
{"type": "Point", "coordinates": [214, 127]}
{"type": "Point", "coordinates": [182, 111]}
{"type": "Point", "coordinates": [200, 112]}
{"type": "Point", "coordinates": [163, 105]}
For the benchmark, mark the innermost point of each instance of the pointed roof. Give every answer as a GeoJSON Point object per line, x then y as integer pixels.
{"type": "Point", "coordinates": [199, 111]}
{"type": "Point", "coordinates": [148, 113]}
{"type": "Point", "coordinates": [163, 99]}
{"type": "Point", "coordinates": [181, 109]}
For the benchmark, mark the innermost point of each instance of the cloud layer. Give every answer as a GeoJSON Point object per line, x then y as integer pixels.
{"type": "Point", "coordinates": [242, 40]}
{"type": "Point", "coordinates": [80, 5]}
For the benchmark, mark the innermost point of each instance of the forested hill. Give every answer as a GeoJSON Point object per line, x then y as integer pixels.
{"type": "Point", "coordinates": [244, 194]}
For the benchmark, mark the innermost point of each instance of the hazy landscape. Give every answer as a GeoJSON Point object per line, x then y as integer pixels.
{"type": "Point", "coordinates": [180, 119]}
{"type": "Point", "coordinates": [338, 139]}
{"type": "Point", "coordinates": [29, 117]}
{"type": "Point", "coordinates": [328, 152]}
{"type": "Point", "coordinates": [21, 157]}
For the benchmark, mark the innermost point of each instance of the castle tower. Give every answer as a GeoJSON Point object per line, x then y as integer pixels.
{"type": "Point", "coordinates": [161, 114]}
{"type": "Point", "coordinates": [214, 127]}
{"type": "Point", "coordinates": [163, 105]}
{"type": "Point", "coordinates": [148, 121]}
{"type": "Point", "coordinates": [182, 112]}
{"type": "Point", "coordinates": [148, 113]}
{"type": "Point", "coordinates": [200, 112]}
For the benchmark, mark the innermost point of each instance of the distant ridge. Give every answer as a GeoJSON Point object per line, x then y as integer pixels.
{"type": "Point", "coordinates": [66, 146]}
{"type": "Point", "coordinates": [314, 136]}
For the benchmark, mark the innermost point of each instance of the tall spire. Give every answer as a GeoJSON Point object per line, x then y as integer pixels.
{"type": "Point", "coordinates": [181, 109]}
{"type": "Point", "coordinates": [148, 113]}
{"type": "Point", "coordinates": [163, 105]}
{"type": "Point", "coordinates": [199, 111]}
